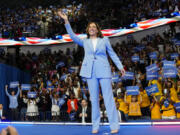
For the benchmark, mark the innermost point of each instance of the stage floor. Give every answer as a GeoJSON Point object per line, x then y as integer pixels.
{"type": "Point", "coordinates": [46, 129]}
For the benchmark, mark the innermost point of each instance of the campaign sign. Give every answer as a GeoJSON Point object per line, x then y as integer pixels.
{"type": "Point", "coordinates": [177, 106]}
{"type": "Point", "coordinates": [60, 64]}
{"type": "Point", "coordinates": [61, 101]}
{"type": "Point", "coordinates": [138, 48]}
{"type": "Point", "coordinates": [128, 76]}
{"type": "Point", "coordinates": [116, 78]}
{"type": "Point", "coordinates": [25, 86]}
{"type": "Point", "coordinates": [174, 40]}
{"type": "Point", "coordinates": [151, 89]}
{"type": "Point", "coordinates": [168, 64]}
{"type": "Point", "coordinates": [49, 83]}
{"type": "Point", "coordinates": [63, 77]}
{"type": "Point", "coordinates": [32, 94]}
{"type": "Point", "coordinates": [174, 56]}
{"type": "Point", "coordinates": [170, 73]}
{"type": "Point", "coordinates": [152, 76]}
{"type": "Point", "coordinates": [166, 103]}
{"type": "Point", "coordinates": [71, 70]}
{"type": "Point", "coordinates": [132, 90]}
{"type": "Point", "coordinates": [83, 79]}
{"type": "Point", "coordinates": [14, 84]}
{"type": "Point", "coordinates": [135, 58]}
{"type": "Point", "coordinates": [152, 68]}
{"type": "Point", "coordinates": [177, 42]}
{"type": "Point", "coordinates": [50, 87]}
{"type": "Point", "coordinates": [153, 55]}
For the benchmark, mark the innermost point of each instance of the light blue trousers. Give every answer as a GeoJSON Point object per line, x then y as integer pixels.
{"type": "Point", "coordinates": [106, 87]}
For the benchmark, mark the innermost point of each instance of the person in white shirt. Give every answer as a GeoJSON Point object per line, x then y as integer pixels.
{"type": "Point", "coordinates": [32, 108]}
{"type": "Point", "coordinates": [55, 109]}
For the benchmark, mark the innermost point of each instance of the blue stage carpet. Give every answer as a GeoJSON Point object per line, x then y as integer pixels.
{"type": "Point", "coordinates": [24, 129]}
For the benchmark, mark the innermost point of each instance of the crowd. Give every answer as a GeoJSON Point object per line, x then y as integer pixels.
{"type": "Point", "coordinates": [62, 95]}
{"type": "Point", "coordinates": [40, 18]}
{"type": "Point", "coordinates": [57, 91]}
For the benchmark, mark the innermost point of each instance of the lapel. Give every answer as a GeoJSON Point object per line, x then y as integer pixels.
{"type": "Point", "coordinates": [98, 44]}
{"type": "Point", "coordinates": [91, 45]}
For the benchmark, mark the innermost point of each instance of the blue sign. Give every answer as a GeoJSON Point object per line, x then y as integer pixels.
{"type": "Point", "coordinates": [174, 56]}
{"type": "Point", "coordinates": [174, 40]}
{"type": "Point", "coordinates": [14, 84]}
{"type": "Point", "coordinates": [135, 58]}
{"type": "Point", "coordinates": [128, 76]}
{"type": "Point", "coordinates": [152, 76]}
{"type": "Point", "coordinates": [116, 78]}
{"type": "Point", "coordinates": [63, 77]}
{"type": "Point", "coordinates": [32, 94]}
{"type": "Point", "coordinates": [132, 90]}
{"type": "Point", "coordinates": [177, 106]}
{"type": "Point", "coordinates": [25, 86]}
{"type": "Point", "coordinates": [151, 89]}
{"type": "Point", "coordinates": [170, 73]}
{"type": "Point", "coordinates": [152, 68]}
{"type": "Point", "coordinates": [168, 64]}
{"type": "Point", "coordinates": [166, 103]}
{"type": "Point", "coordinates": [153, 55]}
{"type": "Point", "coordinates": [50, 87]}
{"type": "Point", "coordinates": [49, 83]}
{"type": "Point", "coordinates": [60, 64]}
{"type": "Point", "coordinates": [71, 69]}
{"type": "Point", "coordinates": [83, 79]}
{"type": "Point", "coordinates": [61, 101]}
{"type": "Point", "coordinates": [177, 42]}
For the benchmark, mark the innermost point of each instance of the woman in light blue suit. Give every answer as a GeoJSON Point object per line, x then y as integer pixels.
{"type": "Point", "coordinates": [96, 69]}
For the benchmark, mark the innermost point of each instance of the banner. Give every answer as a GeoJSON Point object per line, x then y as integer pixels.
{"type": "Point", "coordinates": [151, 89]}
{"type": "Point", "coordinates": [170, 73]}
{"type": "Point", "coordinates": [128, 76]}
{"type": "Point", "coordinates": [25, 86]}
{"type": "Point", "coordinates": [132, 90]}
{"type": "Point", "coordinates": [168, 64]}
{"type": "Point", "coordinates": [177, 106]}
{"type": "Point", "coordinates": [32, 94]}
{"type": "Point", "coordinates": [153, 55]}
{"type": "Point", "coordinates": [135, 58]}
{"type": "Point", "coordinates": [152, 75]}
{"type": "Point", "coordinates": [14, 84]}
{"type": "Point", "coordinates": [152, 68]}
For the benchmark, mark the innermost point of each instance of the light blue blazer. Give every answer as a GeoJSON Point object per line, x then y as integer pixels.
{"type": "Point", "coordinates": [95, 59]}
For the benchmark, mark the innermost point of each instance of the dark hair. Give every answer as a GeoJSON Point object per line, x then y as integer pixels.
{"type": "Point", "coordinates": [99, 34]}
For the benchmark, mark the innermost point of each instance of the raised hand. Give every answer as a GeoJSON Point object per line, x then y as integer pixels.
{"type": "Point", "coordinates": [6, 87]}
{"type": "Point", "coordinates": [63, 16]}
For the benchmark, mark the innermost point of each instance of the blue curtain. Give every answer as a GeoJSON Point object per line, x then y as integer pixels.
{"type": "Point", "coordinates": [7, 75]}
